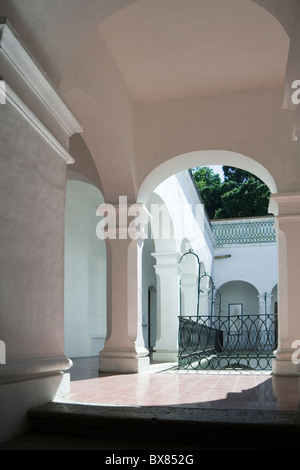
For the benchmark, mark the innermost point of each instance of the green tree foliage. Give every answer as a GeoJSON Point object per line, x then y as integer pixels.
{"type": "Point", "coordinates": [241, 194]}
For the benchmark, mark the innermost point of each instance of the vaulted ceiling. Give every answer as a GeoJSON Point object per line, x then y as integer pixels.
{"type": "Point", "coordinates": [169, 49]}
{"type": "Point", "coordinates": [114, 61]}
{"type": "Point", "coordinates": [164, 47]}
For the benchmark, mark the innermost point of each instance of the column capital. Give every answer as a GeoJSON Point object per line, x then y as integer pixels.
{"type": "Point", "coordinates": [167, 258]}
{"type": "Point", "coordinates": [285, 204]}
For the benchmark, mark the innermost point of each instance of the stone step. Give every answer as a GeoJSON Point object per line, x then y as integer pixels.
{"type": "Point", "coordinates": [172, 427]}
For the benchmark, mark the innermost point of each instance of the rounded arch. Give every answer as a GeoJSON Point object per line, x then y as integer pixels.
{"type": "Point", "coordinates": [202, 158]}
{"type": "Point", "coordinates": [239, 292]}
{"type": "Point", "coordinates": [246, 284]}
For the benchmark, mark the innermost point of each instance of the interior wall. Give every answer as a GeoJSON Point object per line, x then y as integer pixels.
{"type": "Point", "coordinates": [257, 265]}
{"type": "Point", "coordinates": [32, 196]}
{"type": "Point", "coordinates": [237, 129]}
{"type": "Point", "coordinates": [85, 272]}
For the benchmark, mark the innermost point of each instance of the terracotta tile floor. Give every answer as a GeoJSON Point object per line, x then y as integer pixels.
{"type": "Point", "coordinates": [165, 387]}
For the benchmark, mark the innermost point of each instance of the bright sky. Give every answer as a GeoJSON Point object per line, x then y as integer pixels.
{"type": "Point", "coordinates": [217, 169]}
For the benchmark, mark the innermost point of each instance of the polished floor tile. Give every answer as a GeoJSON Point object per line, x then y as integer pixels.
{"type": "Point", "coordinates": [162, 386]}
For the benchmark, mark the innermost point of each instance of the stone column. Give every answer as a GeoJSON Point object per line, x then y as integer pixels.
{"type": "Point", "coordinates": [262, 304]}
{"type": "Point", "coordinates": [189, 294]}
{"type": "Point", "coordinates": [266, 324]}
{"type": "Point", "coordinates": [286, 207]}
{"type": "Point", "coordinates": [168, 307]}
{"type": "Point", "coordinates": [124, 350]}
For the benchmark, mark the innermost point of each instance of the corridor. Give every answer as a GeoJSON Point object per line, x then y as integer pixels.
{"type": "Point", "coordinates": [163, 385]}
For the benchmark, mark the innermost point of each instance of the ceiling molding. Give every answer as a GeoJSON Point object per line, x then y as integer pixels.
{"type": "Point", "coordinates": [26, 70]}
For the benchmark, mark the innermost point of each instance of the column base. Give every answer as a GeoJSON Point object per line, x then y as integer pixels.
{"type": "Point", "coordinates": [123, 362]}
{"type": "Point", "coordinates": [18, 396]}
{"type": "Point", "coordinates": [165, 355]}
{"type": "Point", "coordinates": [284, 365]}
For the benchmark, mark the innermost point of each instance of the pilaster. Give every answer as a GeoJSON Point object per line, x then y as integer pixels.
{"type": "Point", "coordinates": [167, 270]}
{"type": "Point", "coordinates": [35, 126]}
{"type": "Point", "coordinates": [286, 207]}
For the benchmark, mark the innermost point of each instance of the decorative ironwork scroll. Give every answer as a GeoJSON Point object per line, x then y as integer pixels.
{"type": "Point", "coordinates": [214, 293]}
{"type": "Point", "coordinates": [223, 343]}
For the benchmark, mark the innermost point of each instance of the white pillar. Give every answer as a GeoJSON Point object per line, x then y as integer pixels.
{"type": "Point", "coordinates": [262, 304]}
{"type": "Point", "coordinates": [168, 308]}
{"type": "Point", "coordinates": [266, 323]}
{"type": "Point", "coordinates": [124, 350]}
{"type": "Point", "coordinates": [287, 209]}
{"type": "Point", "coordinates": [189, 294]}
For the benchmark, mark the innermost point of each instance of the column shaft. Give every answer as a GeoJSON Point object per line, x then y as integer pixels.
{"type": "Point", "coordinates": [124, 349]}
{"type": "Point", "coordinates": [168, 307]}
{"type": "Point", "coordinates": [287, 209]}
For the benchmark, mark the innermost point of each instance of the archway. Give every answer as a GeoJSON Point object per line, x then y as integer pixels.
{"type": "Point", "coordinates": [239, 293]}
{"type": "Point", "coordinates": [202, 158]}
{"type": "Point", "coordinates": [250, 304]}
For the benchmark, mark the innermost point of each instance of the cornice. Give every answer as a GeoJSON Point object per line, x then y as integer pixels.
{"type": "Point", "coordinates": [285, 204]}
{"type": "Point", "coordinates": [19, 63]}
{"type": "Point", "coordinates": [12, 98]}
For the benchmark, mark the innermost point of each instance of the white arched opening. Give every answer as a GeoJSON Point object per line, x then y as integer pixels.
{"type": "Point", "coordinates": [202, 158]}
{"type": "Point", "coordinates": [239, 293]}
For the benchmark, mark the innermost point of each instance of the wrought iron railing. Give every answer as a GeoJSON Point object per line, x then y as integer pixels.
{"type": "Point", "coordinates": [224, 342]}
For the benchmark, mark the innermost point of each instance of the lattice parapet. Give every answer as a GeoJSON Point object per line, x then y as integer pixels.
{"type": "Point", "coordinates": [244, 231]}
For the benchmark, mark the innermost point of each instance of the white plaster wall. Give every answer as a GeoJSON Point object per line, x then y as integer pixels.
{"type": "Point", "coordinates": [188, 229]}
{"type": "Point", "coordinates": [32, 203]}
{"type": "Point", "coordinates": [254, 264]}
{"type": "Point", "coordinates": [85, 272]}
{"type": "Point", "coordinates": [32, 197]}
{"type": "Point", "coordinates": [187, 216]}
